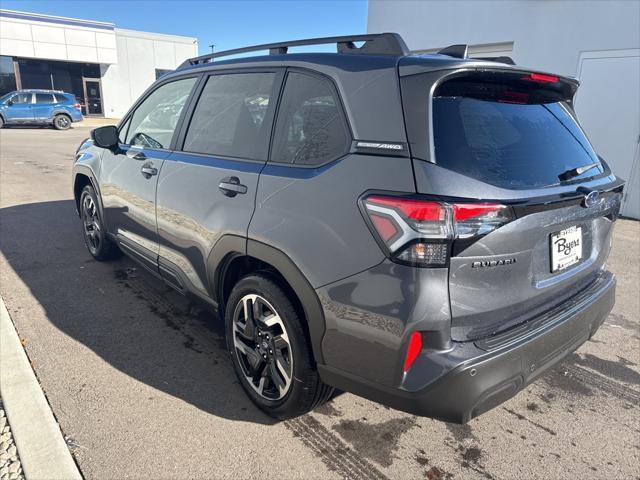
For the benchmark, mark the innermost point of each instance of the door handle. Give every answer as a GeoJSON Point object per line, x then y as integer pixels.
{"type": "Point", "coordinates": [148, 170]}
{"type": "Point", "coordinates": [136, 154]}
{"type": "Point", "coordinates": [231, 186]}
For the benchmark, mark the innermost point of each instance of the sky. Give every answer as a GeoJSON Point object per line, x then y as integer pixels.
{"type": "Point", "coordinates": [227, 24]}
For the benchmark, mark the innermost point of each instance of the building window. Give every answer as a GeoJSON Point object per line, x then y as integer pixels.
{"type": "Point", "coordinates": [161, 72]}
{"type": "Point", "coordinates": [79, 79]}
{"type": "Point", "coordinates": [7, 75]}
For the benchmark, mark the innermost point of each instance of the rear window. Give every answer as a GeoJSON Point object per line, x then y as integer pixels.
{"type": "Point", "coordinates": [510, 145]}
{"type": "Point", "coordinates": [511, 129]}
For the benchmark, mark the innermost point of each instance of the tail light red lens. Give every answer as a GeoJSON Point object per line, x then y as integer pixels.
{"type": "Point", "coordinates": [76, 105]}
{"type": "Point", "coordinates": [413, 209]}
{"type": "Point", "coordinates": [419, 232]}
{"type": "Point", "coordinates": [413, 350]}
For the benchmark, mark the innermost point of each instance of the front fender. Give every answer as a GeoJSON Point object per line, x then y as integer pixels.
{"type": "Point", "coordinates": [88, 161]}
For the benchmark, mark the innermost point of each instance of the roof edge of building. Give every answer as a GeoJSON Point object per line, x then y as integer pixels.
{"type": "Point", "coordinates": [41, 17]}
{"type": "Point", "coordinates": [155, 36]}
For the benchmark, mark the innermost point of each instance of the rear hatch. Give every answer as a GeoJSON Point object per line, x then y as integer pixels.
{"type": "Point", "coordinates": [509, 140]}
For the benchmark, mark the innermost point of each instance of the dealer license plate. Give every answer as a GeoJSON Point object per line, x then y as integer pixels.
{"type": "Point", "coordinates": [566, 248]}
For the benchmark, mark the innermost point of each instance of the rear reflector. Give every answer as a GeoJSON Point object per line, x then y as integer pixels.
{"type": "Point", "coordinates": [415, 346]}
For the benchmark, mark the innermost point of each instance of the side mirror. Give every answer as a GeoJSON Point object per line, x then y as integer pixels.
{"type": "Point", "coordinates": [9, 102]}
{"type": "Point", "coordinates": [105, 137]}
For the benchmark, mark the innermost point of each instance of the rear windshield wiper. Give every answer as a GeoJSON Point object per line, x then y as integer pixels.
{"type": "Point", "coordinates": [574, 172]}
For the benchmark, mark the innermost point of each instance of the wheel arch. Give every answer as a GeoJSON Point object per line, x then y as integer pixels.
{"type": "Point", "coordinates": [83, 176]}
{"type": "Point", "coordinates": [60, 112]}
{"type": "Point", "coordinates": [233, 257]}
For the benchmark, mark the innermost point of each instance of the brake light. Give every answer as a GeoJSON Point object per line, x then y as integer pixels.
{"type": "Point", "coordinates": [415, 346]}
{"type": "Point", "coordinates": [77, 105]}
{"type": "Point", "coordinates": [420, 232]}
{"type": "Point", "coordinates": [540, 77]}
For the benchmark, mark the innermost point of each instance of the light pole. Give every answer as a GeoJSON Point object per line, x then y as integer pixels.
{"type": "Point", "coordinates": [212, 46]}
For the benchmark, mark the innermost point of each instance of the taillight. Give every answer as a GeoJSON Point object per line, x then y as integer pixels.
{"type": "Point", "coordinates": [77, 105]}
{"type": "Point", "coordinates": [420, 232]}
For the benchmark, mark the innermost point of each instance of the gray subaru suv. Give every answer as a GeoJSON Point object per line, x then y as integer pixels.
{"type": "Point", "coordinates": [427, 231]}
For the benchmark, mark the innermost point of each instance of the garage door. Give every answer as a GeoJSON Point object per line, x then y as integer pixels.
{"type": "Point", "coordinates": [608, 104]}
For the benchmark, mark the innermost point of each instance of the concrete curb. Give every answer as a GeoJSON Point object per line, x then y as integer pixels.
{"type": "Point", "coordinates": [41, 447]}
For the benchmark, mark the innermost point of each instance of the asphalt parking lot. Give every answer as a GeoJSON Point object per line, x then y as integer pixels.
{"type": "Point", "coordinates": [140, 382]}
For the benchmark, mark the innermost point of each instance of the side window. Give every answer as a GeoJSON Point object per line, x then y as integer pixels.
{"type": "Point", "coordinates": [228, 119]}
{"type": "Point", "coordinates": [154, 121]}
{"type": "Point", "coordinates": [21, 98]}
{"type": "Point", "coordinates": [44, 98]}
{"type": "Point", "coordinates": [310, 129]}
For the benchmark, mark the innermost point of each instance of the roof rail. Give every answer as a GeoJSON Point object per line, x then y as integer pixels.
{"type": "Point", "coordinates": [457, 51]}
{"type": "Point", "coordinates": [374, 44]}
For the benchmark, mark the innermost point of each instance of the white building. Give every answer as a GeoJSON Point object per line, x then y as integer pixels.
{"type": "Point", "coordinates": [597, 41]}
{"type": "Point", "coordinates": [107, 68]}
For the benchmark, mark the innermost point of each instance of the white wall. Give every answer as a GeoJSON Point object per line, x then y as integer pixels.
{"type": "Point", "coordinates": [138, 55]}
{"type": "Point", "coordinates": [552, 35]}
{"type": "Point", "coordinates": [56, 38]}
{"type": "Point", "coordinates": [547, 34]}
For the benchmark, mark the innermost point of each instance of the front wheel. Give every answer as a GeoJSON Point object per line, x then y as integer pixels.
{"type": "Point", "coordinates": [269, 349]}
{"type": "Point", "coordinates": [93, 230]}
{"type": "Point", "coordinates": [61, 122]}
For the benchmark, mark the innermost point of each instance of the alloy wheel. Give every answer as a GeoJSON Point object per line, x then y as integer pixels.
{"type": "Point", "coordinates": [262, 347]}
{"type": "Point", "coordinates": [62, 122]}
{"type": "Point", "coordinates": [91, 223]}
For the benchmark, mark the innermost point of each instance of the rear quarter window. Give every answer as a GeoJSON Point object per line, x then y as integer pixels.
{"type": "Point", "coordinates": [310, 128]}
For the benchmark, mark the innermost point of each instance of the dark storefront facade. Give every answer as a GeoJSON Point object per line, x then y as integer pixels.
{"type": "Point", "coordinates": [81, 79]}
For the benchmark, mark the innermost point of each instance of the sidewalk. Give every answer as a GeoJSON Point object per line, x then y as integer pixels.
{"type": "Point", "coordinates": [43, 452]}
{"type": "Point", "coordinates": [96, 122]}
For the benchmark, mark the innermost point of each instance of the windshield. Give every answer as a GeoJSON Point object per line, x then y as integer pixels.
{"type": "Point", "coordinates": [510, 145]}
{"type": "Point", "coordinates": [5, 97]}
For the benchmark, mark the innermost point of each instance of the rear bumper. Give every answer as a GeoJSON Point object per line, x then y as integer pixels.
{"type": "Point", "coordinates": [471, 378]}
{"type": "Point", "coordinates": [76, 115]}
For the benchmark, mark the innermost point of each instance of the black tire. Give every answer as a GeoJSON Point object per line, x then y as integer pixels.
{"type": "Point", "coordinates": [93, 229]}
{"type": "Point", "coordinates": [1, 122]}
{"type": "Point", "coordinates": [306, 390]}
{"type": "Point", "coordinates": [61, 122]}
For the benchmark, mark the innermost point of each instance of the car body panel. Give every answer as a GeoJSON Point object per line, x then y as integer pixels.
{"type": "Point", "coordinates": [296, 212]}
{"type": "Point", "coordinates": [190, 224]}
{"type": "Point", "coordinates": [129, 199]}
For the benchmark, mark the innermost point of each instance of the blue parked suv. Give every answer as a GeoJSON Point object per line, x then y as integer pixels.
{"type": "Point", "coordinates": [44, 107]}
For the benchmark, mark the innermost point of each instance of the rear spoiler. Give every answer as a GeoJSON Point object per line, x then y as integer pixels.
{"type": "Point", "coordinates": [462, 51]}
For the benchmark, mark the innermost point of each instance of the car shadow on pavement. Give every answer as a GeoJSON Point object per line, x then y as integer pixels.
{"type": "Point", "coordinates": [125, 315]}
